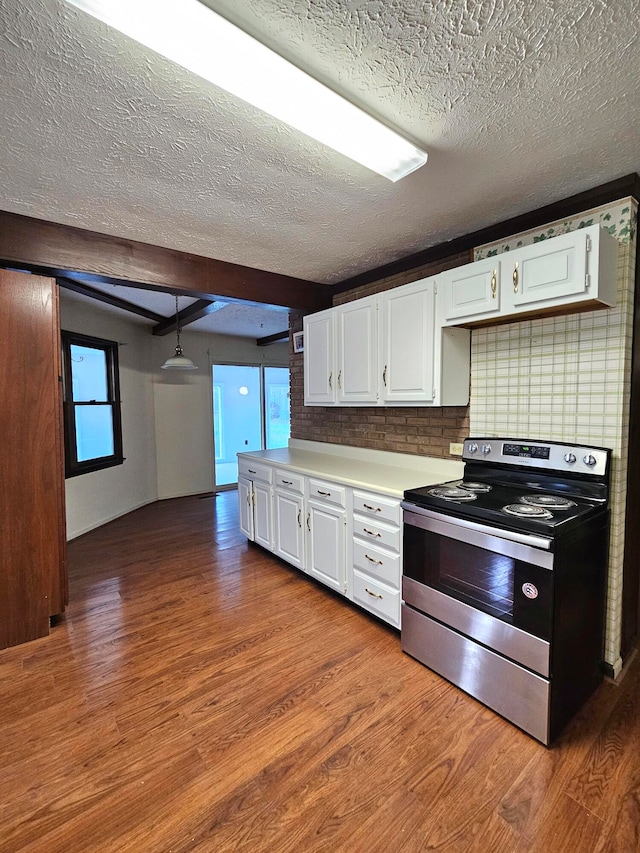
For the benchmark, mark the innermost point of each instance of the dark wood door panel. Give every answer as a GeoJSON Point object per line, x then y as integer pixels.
{"type": "Point", "coordinates": [30, 470]}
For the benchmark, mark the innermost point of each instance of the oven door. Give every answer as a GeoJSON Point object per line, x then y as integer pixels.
{"type": "Point", "coordinates": [493, 585]}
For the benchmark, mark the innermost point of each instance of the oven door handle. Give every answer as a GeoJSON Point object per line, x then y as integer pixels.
{"type": "Point", "coordinates": [521, 546]}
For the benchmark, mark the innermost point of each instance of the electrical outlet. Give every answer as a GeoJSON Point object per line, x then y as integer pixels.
{"type": "Point", "coordinates": [455, 449]}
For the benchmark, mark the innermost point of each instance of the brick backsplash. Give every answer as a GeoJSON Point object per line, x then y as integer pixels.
{"type": "Point", "coordinates": [400, 429]}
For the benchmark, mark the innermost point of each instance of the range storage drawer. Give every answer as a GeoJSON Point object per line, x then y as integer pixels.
{"type": "Point", "coordinates": [377, 562]}
{"type": "Point", "coordinates": [255, 470]}
{"type": "Point", "coordinates": [376, 597]}
{"type": "Point", "coordinates": [287, 480]}
{"type": "Point", "coordinates": [321, 490]}
{"type": "Point", "coordinates": [376, 506]}
{"type": "Point", "coordinates": [377, 534]}
{"type": "Point", "coordinates": [513, 691]}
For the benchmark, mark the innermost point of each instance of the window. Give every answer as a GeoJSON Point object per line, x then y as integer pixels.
{"type": "Point", "coordinates": [92, 424]}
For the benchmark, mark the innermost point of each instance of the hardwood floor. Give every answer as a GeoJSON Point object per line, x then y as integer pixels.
{"type": "Point", "coordinates": [200, 695]}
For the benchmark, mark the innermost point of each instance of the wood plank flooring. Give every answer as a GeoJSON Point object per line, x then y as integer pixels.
{"type": "Point", "coordinates": [200, 695]}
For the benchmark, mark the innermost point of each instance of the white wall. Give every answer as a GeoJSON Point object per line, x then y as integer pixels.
{"type": "Point", "coordinates": [95, 498]}
{"type": "Point", "coordinates": [167, 421]}
{"type": "Point", "coordinates": [183, 406]}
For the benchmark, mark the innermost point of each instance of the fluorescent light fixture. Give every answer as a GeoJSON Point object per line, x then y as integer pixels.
{"type": "Point", "coordinates": [198, 39]}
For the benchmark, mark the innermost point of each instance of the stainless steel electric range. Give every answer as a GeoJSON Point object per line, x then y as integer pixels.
{"type": "Point", "coordinates": [504, 577]}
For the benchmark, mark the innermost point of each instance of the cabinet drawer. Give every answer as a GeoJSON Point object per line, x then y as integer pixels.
{"type": "Point", "coordinates": [328, 492]}
{"type": "Point", "coordinates": [377, 598]}
{"type": "Point", "coordinates": [376, 562]}
{"type": "Point", "coordinates": [287, 480]}
{"type": "Point", "coordinates": [376, 506]}
{"type": "Point", "coordinates": [376, 533]}
{"type": "Point", "coordinates": [255, 470]}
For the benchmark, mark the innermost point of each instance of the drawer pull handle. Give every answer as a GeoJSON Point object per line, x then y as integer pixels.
{"type": "Point", "coordinates": [384, 376]}
{"type": "Point", "coordinates": [515, 278]}
{"type": "Point", "coordinates": [309, 522]}
{"type": "Point", "coordinates": [372, 508]}
{"type": "Point", "coordinates": [494, 284]}
{"type": "Point", "coordinates": [340, 379]}
{"type": "Point", "coordinates": [373, 594]}
{"type": "Point", "coordinates": [299, 514]}
{"type": "Point", "coordinates": [251, 471]}
{"type": "Point", "coordinates": [287, 482]}
{"type": "Point", "coordinates": [372, 533]}
{"type": "Point", "coordinates": [320, 492]}
{"type": "Point", "coordinates": [331, 380]}
{"type": "Point", "coordinates": [371, 560]}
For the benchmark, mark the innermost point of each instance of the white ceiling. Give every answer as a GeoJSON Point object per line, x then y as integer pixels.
{"type": "Point", "coordinates": [518, 102]}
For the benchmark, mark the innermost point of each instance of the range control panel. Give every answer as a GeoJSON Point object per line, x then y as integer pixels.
{"type": "Point", "coordinates": [544, 455]}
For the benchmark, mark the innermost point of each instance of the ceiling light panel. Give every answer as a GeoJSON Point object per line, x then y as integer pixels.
{"type": "Point", "coordinates": [198, 39]}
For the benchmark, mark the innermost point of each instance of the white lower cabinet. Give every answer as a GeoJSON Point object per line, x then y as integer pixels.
{"type": "Point", "coordinates": [245, 506]}
{"type": "Point", "coordinates": [289, 517]}
{"type": "Point", "coordinates": [376, 555]}
{"type": "Point", "coordinates": [262, 514]}
{"type": "Point", "coordinates": [289, 536]}
{"type": "Point", "coordinates": [255, 502]}
{"type": "Point", "coordinates": [326, 538]}
{"type": "Point", "coordinates": [348, 539]}
{"type": "Point", "coordinates": [378, 598]}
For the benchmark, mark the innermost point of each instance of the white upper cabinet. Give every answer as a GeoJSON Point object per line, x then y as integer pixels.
{"type": "Point", "coordinates": [575, 267]}
{"type": "Point", "coordinates": [567, 273]}
{"type": "Point", "coordinates": [389, 350]}
{"type": "Point", "coordinates": [320, 377]}
{"type": "Point", "coordinates": [471, 290]}
{"type": "Point", "coordinates": [407, 344]}
{"type": "Point", "coordinates": [357, 351]}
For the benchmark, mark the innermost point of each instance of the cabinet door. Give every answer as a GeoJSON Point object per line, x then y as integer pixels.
{"type": "Point", "coordinates": [262, 515]}
{"type": "Point", "coordinates": [319, 359]}
{"type": "Point", "coordinates": [407, 364]}
{"type": "Point", "coordinates": [245, 506]}
{"type": "Point", "coordinates": [357, 330]}
{"type": "Point", "coordinates": [326, 537]}
{"type": "Point", "coordinates": [549, 271]}
{"type": "Point", "coordinates": [288, 520]}
{"type": "Point", "coordinates": [472, 291]}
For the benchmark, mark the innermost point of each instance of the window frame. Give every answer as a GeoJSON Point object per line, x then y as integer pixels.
{"type": "Point", "coordinates": [73, 467]}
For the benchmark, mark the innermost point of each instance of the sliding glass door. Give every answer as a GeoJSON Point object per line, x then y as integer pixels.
{"type": "Point", "coordinates": [250, 412]}
{"type": "Point", "coordinates": [277, 409]}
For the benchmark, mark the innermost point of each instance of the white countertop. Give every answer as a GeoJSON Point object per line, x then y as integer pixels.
{"type": "Point", "coordinates": [375, 470]}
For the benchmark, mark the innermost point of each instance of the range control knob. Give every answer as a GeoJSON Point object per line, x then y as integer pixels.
{"type": "Point", "coordinates": [590, 460]}
{"type": "Point", "coordinates": [486, 449]}
{"type": "Point", "coordinates": [570, 458]}
{"type": "Point", "coordinates": [473, 447]}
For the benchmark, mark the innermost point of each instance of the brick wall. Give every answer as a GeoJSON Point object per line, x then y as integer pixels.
{"type": "Point", "coordinates": [402, 429]}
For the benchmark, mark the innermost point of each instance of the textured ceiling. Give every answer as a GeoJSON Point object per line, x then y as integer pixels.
{"type": "Point", "coordinates": [518, 104]}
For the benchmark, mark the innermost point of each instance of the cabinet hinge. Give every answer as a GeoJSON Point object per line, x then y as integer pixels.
{"type": "Point", "coordinates": [433, 393]}
{"type": "Point", "coordinates": [587, 280]}
{"type": "Point", "coordinates": [588, 243]}
{"type": "Point", "coordinates": [435, 287]}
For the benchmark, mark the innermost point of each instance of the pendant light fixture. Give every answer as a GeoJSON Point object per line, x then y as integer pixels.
{"type": "Point", "coordinates": [192, 35]}
{"type": "Point", "coordinates": [178, 361]}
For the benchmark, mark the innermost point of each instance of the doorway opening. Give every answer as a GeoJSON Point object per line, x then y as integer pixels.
{"type": "Point", "coordinates": [251, 411]}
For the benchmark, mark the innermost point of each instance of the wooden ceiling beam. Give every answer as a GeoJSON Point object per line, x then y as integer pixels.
{"type": "Point", "coordinates": [53, 249]}
{"type": "Point", "coordinates": [108, 299]}
{"type": "Point", "coordinates": [188, 315]}
{"type": "Point", "coordinates": [272, 339]}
